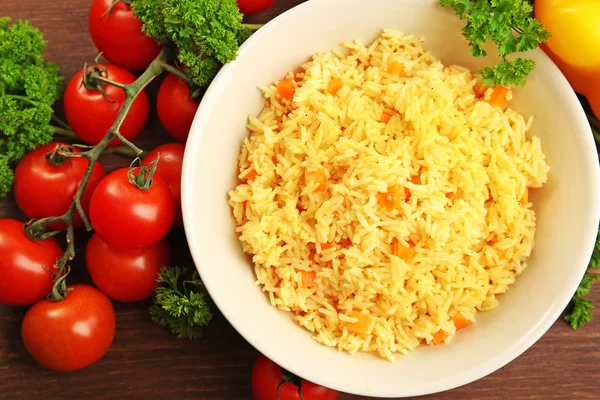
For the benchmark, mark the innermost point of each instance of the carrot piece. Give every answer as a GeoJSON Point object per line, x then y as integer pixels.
{"type": "Point", "coordinates": [251, 175]}
{"type": "Point", "coordinates": [479, 90]}
{"type": "Point", "coordinates": [455, 195]}
{"type": "Point", "coordinates": [286, 89]}
{"type": "Point", "coordinates": [498, 97]}
{"type": "Point", "coordinates": [335, 85]}
{"type": "Point", "coordinates": [396, 68]}
{"type": "Point", "coordinates": [364, 324]}
{"type": "Point", "coordinates": [525, 198]}
{"type": "Point", "coordinates": [385, 117]}
{"type": "Point", "coordinates": [392, 198]}
{"type": "Point", "coordinates": [460, 321]}
{"type": "Point", "coordinates": [439, 337]}
{"type": "Point", "coordinates": [405, 253]}
{"type": "Point", "coordinates": [317, 175]}
{"type": "Point", "coordinates": [325, 246]}
{"type": "Point", "coordinates": [308, 278]}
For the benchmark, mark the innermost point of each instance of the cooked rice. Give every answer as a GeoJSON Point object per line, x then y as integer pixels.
{"type": "Point", "coordinates": [467, 165]}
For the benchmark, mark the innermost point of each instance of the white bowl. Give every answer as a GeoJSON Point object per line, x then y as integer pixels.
{"type": "Point", "coordinates": [567, 207]}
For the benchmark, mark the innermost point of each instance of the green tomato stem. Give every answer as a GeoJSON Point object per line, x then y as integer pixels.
{"type": "Point", "coordinates": [36, 228]}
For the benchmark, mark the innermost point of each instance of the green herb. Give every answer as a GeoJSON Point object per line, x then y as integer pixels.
{"type": "Point", "coordinates": [581, 312]}
{"type": "Point", "coordinates": [511, 26]}
{"type": "Point", "coordinates": [207, 33]}
{"type": "Point", "coordinates": [28, 89]}
{"type": "Point", "coordinates": [181, 303]}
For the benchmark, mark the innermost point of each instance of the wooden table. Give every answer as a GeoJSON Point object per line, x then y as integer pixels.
{"type": "Point", "coordinates": [147, 362]}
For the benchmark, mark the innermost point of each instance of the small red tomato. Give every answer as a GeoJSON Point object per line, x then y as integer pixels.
{"type": "Point", "coordinates": [127, 217]}
{"type": "Point", "coordinates": [91, 115]}
{"type": "Point", "coordinates": [25, 265]}
{"type": "Point", "coordinates": [169, 168]}
{"type": "Point", "coordinates": [126, 275]}
{"type": "Point", "coordinates": [118, 35]}
{"type": "Point", "coordinates": [45, 185]}
{"type": "Point", "coordinates": [254, 6]}
{"type": "Point", "coordinates": [175, 107]}
{"type": "Point", "coordinates": [267, 378]}
{"type": "Point", "coordinates": [70, 334]}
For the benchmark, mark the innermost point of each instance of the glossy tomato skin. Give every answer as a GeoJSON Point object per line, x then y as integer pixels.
{"type": "Point", "coordinates": [127, 217]}
{"type": "Point", "coordinates": [254, 6]}
{"type": "Point", "coordinates": [70, 334]}
{"type": "Point", "coordinates": [169, 168]}
{"type": "Point", "coordinates": [175, 107]}
{"type": "Point", "coordinates": [266, 376]}
{"type": "Point", "coordinates": [91, 115]}
{"type": "Point", "coordinates": [120, 37]}
{"type": "Point", "coordinates": [45, 190]}
{"type": "Point", "coordinates": [126, 275]}
{"type": "Point", "coordinates": [25, 265]}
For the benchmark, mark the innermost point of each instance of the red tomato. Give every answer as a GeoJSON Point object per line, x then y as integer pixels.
{"type": "Point", "coordinates": [266, 377]}
{"type": "Point", "coordinates": [169, 168]}
{"type": "Point", "coordinates": [176, 109]}
{"type": "Point", "coordinates": [25, 265]}
{"type": "Point", "coordinates": [254, 6]}
{"type": "Point", "coordinates": [119, 36]}
{"type": "Point", "coordinates": [126, 275]}
{"type": "Point", "coordinates": [91, 115]}
{"type": "Point", "coordinates": [127, 217]}
{"type": "Point", "coordinates": [70, 334]}
{"type": "Point", "coordinates": [43, 189]}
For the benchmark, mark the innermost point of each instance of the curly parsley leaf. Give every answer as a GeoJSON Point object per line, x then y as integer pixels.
{"type": "Point", "coordinates": [181, 303]}
{"type": "Point", "coordinates": [207, 33]}
{"type": "Point", "coordinates": [507, 23]}
{"type": "Point", "coordinates": [28, 89]}
{"type": "Point", "coordinates": [581, 311]}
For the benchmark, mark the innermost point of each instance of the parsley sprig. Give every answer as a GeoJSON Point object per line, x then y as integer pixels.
{"type": "Point", "coordinates": [181, 303]}
{"type": "Point", "coordinates": [511, 26]}
{"type": "Point", "coordinates": [29, 87]}
{"type": "Point", "coordinates": [581, 311]}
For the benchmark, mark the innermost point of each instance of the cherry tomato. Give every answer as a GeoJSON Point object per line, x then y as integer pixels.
{"type": "Point", "coordinates": [70, 334]}
{"type": "Point", "coordinates": [254, 6]}
{"type": "Point", "coordinates": [45, 187]}
{"type": "Point", "coordinates": [127, 217]}
{"type": "Point", "coordinates": [119, 35]}
{"type": "Point", "coordinates": [176, 109]}
{"type": "Point", "coordinates": [126, 275]}
{"type": "Point", "coordinates": [25, 265]}
{"type": "Point", "coordinates": [91, 115]}
{"type": "Point", "coordinates": [266, 377]}
{"type": "Point", "coordinates": [169, 168]}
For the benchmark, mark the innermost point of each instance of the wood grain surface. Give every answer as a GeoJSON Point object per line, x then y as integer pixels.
{"type": "Point", "coordinates": [147, 362]}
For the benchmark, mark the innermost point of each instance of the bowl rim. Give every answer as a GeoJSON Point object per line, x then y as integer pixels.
{"type": "Point", "coordinates": [492, 364]}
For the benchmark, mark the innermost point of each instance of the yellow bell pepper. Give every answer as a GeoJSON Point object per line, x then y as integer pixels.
{"type": "Point", "coordinates": [575, 43]}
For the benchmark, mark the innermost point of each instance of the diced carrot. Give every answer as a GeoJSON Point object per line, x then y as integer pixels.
{"type": "Point", "coordinates": [498, 97]}
{"type": "Point", "coordinates": [405, 253]}
{"type": "Point", "coordinates": [286, 89]}
{"type": "Point", "coordinates": [308, 278]}
{"type": "Point", "coordinates": [455, 195]}
{"type": "Point", "coordinates": [364, 324]}
{"type": "Point", "coordinates": [335, 85]}
{"type": "Point", "coordinates": [392, 199]}
{"type": "Point", "coordinates": [525, 198]}
{"type": "Point", "coordinates": [416, 179]}
{"type": "Point", "coordinates": [460, 321]}
{"type": "Point", "coordinates": [479, 89]}
{"type": "Point", "coordinates": [439, 337]}
{"type": "Point", "coordinates": [325, 246]}
{"type": "Point", "coordinates": [395, 68]}
{"type": "Point", "coordinates": [250, 175]}
{"type": "Point", "coordinates": [317, 175]}
{"type": "Point", "coordinates": [385, 117]}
